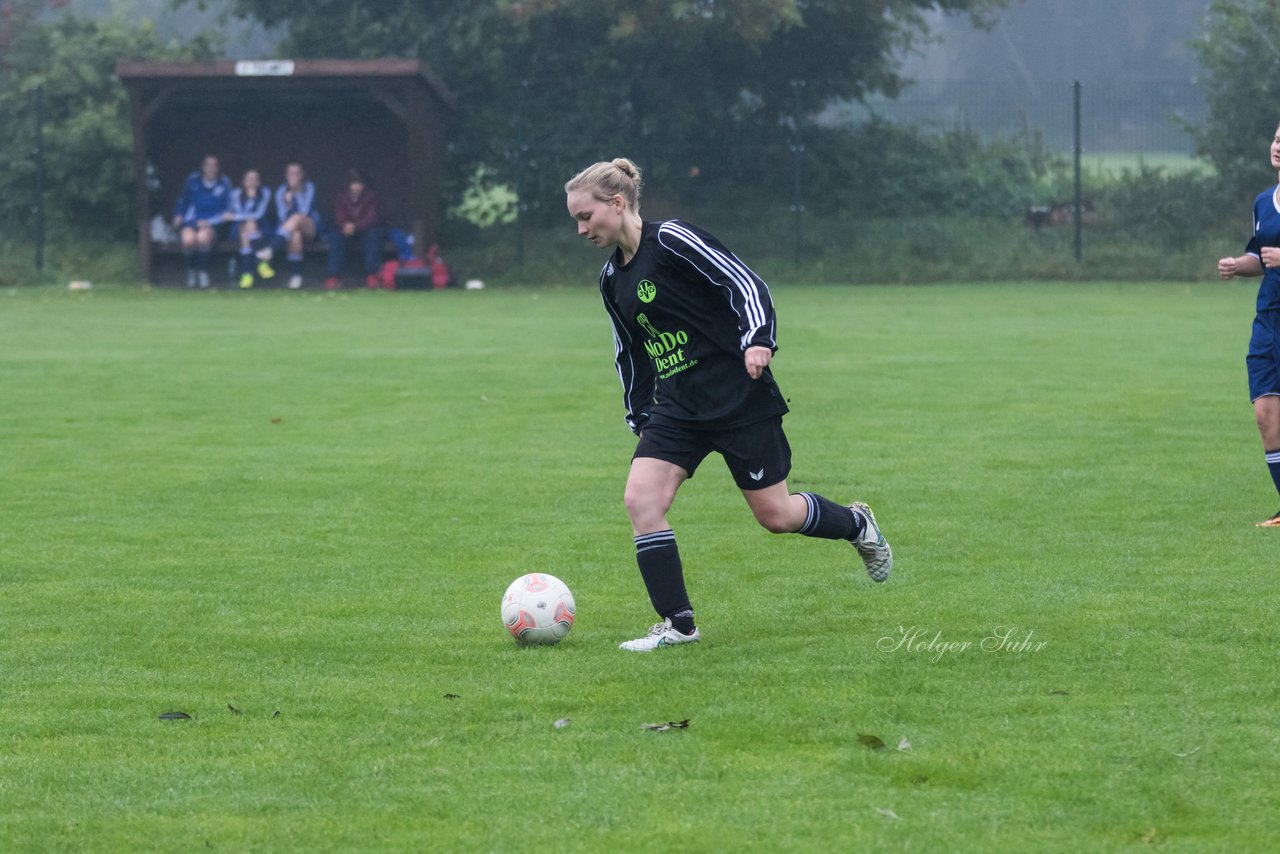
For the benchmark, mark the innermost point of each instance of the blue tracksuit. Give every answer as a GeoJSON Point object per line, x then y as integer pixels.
{"type": "Point", "coordinates": [246, 209]}
{"type": "Point", "coordinates": [201, 201]}
{"type": "Point", "coordinates": [302, 202]}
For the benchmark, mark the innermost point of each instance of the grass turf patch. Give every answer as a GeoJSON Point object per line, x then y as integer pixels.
{"type": "Point", "coordinates": [312, 504]}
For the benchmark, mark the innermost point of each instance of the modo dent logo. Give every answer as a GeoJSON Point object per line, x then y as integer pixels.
{"type": "Point", "coordinates": [646, 291]}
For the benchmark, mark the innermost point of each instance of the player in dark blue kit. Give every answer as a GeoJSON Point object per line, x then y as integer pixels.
{"type": "Point", "coordinates": [1262, 258]}
{"type": "Point", "coordinates": [200, 213]}
{"type": "Point", "coordinates": [694, 333]}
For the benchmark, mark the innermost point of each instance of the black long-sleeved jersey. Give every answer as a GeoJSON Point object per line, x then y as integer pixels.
{"type": "Point", "coordinates": [684, 312]}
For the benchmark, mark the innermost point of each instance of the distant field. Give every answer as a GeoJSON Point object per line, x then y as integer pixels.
{"type": "Point", "coordinates": [1113, 164]}
{"type": "Point", "coordinates": [234, 505]}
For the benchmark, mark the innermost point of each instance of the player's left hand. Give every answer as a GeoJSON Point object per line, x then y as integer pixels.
{"type": "Point", "coordinates": [757, 359]}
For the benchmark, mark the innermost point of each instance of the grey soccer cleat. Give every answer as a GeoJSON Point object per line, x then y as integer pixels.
{"type": "Point", "coordinates": [872, 546]}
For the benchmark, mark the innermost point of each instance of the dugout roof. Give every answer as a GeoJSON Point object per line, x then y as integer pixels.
{"type": "Point", "coordinates": [385, 117]}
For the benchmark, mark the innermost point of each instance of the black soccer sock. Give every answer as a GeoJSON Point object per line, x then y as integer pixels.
{"type": "Point", "coordinates": [244, 261]}
{"type": "Point", "coordinates": [202, 260]}
{"type": "Point", "coordinates": [830, 521]}
{"type": "Point", "coordinates": [1273, 463]}
{"type": "Point", "coordinates": [682, 621]}
{"type": "Point", "coordinates": [295, 263]}
{"type": "Point", "coordinates": [659, 562]}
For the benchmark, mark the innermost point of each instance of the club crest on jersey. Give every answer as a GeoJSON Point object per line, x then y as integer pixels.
{"type": "Point", "coordinates": [646, 291]}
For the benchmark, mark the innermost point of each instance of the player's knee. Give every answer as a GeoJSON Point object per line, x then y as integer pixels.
{"type": "Point", "coordinates": [643, 505]}
{"type": "Point", "coordinates": [635, 501]}
{"type": "Point", "coordinates": [774, 519]}
{"type": "Point", "coordinates": [1265, 416]}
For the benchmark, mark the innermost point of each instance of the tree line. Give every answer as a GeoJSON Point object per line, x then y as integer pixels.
{"type": "Point", "coordinates": [715, 80]}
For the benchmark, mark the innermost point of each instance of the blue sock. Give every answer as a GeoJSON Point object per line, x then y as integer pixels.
{"type": "Point", "coordinates": [295, 263]}
{"type": "Point", "coordinates": [830, 521]}
{"type": "Point", "coordinates": [244, 262]}
{"type": "Point", "coordinates": [1273, 463]}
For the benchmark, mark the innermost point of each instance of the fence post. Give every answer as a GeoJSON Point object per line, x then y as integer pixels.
{"type": "Point", "coordinates": [1079, 199]}
{"type": "Point", "coordinates": [797, 154]}
{"type": "Point", "coordinates": [38, 95]}
{"type": "Point", "coordinates": [522, 147]}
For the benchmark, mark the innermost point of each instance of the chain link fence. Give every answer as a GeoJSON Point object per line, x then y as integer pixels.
{"type": "Point", "coordinates": [989, 165]}
{"type": "Point", "coordinates": [1122, 122]}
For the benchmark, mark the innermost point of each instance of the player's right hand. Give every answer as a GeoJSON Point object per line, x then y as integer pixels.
{"type": "Point", "coordinates": [1227, 267]}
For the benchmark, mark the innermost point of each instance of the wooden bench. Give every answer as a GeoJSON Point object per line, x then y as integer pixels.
{"type": "Point", "coordinates": [167, 267]}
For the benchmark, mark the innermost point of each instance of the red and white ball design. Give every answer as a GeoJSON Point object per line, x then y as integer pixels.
{"type": "Point", "coordinates": [538, 609]}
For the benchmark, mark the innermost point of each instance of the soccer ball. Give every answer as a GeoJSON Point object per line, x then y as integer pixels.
{"type": "Point", "coordinates": [538, 609]}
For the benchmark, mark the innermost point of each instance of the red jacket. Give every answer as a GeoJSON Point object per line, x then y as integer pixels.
{"type": "Point", "coordinates": [362, 211]}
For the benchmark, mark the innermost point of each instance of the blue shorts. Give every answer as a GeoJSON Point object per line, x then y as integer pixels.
{"type": "Point", "coordinates": [1263, 360]}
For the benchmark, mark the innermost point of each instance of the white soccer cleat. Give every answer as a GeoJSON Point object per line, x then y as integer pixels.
{"type": "Point", "coordinates": [872, 546]}
{"type": "Point", "coordinates": [662, 634]}
{"type": "Point", "coordinates": [295, 282]}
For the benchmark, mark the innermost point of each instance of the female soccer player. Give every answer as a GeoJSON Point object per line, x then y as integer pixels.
{"type": "Point", "coordinates": [250, 203]}
{"type": "Point", "coordinates": [200, 212]}
{"type": "Point", "coordinates": [693, 332]}
{"type": "Point", "coordinates": [299, 220]}
{"type": "Point", "coordinates": [1262, 258]}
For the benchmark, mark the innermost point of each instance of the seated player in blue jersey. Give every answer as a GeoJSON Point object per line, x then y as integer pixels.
{"type": "Point", "coordinates": [694, 336]}
{"type": "Point", "coordinates": [299, 221]}
{"type": "Point", "coordinates": [199, 214]}
{"type": "Point", "coordinates": [250, 210]}
{"type": "Point", "coordinates": [1262, 258]}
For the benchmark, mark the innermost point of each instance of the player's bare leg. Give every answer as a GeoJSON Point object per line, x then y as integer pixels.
{"type": "Point", "coordinates": [190, 245]}
{"type": "Point", "coordinates": [203, 237]}
{"type": "Point", "coordinates": [651, 490]}
{"type": "Point", "coordinates": [777, 509]}
{"type": "Point", "coordinates": [295, 226]}
{"type": "Point", "coordinates": [781, 511]}
{"type": "Point", "coordinates": [1266, 410]}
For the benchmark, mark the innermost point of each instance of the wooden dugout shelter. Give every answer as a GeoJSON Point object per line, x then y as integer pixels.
{"type": "Point", "coordinates": [385, 117]}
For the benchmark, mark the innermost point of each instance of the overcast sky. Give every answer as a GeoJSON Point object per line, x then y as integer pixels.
{"type": "Point", "coordinates": [1089, 40]}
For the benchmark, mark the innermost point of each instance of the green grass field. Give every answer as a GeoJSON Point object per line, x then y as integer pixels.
{"type": "Point", "coordinates": [1110, 165]}
{"type": "Point", "coordinates": [311, 504]}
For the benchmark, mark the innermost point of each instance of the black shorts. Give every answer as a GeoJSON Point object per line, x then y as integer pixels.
{"type": "Point", "coordinates": [757, 454]}
{"type": "Point", "coordinates": [221, 230]}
